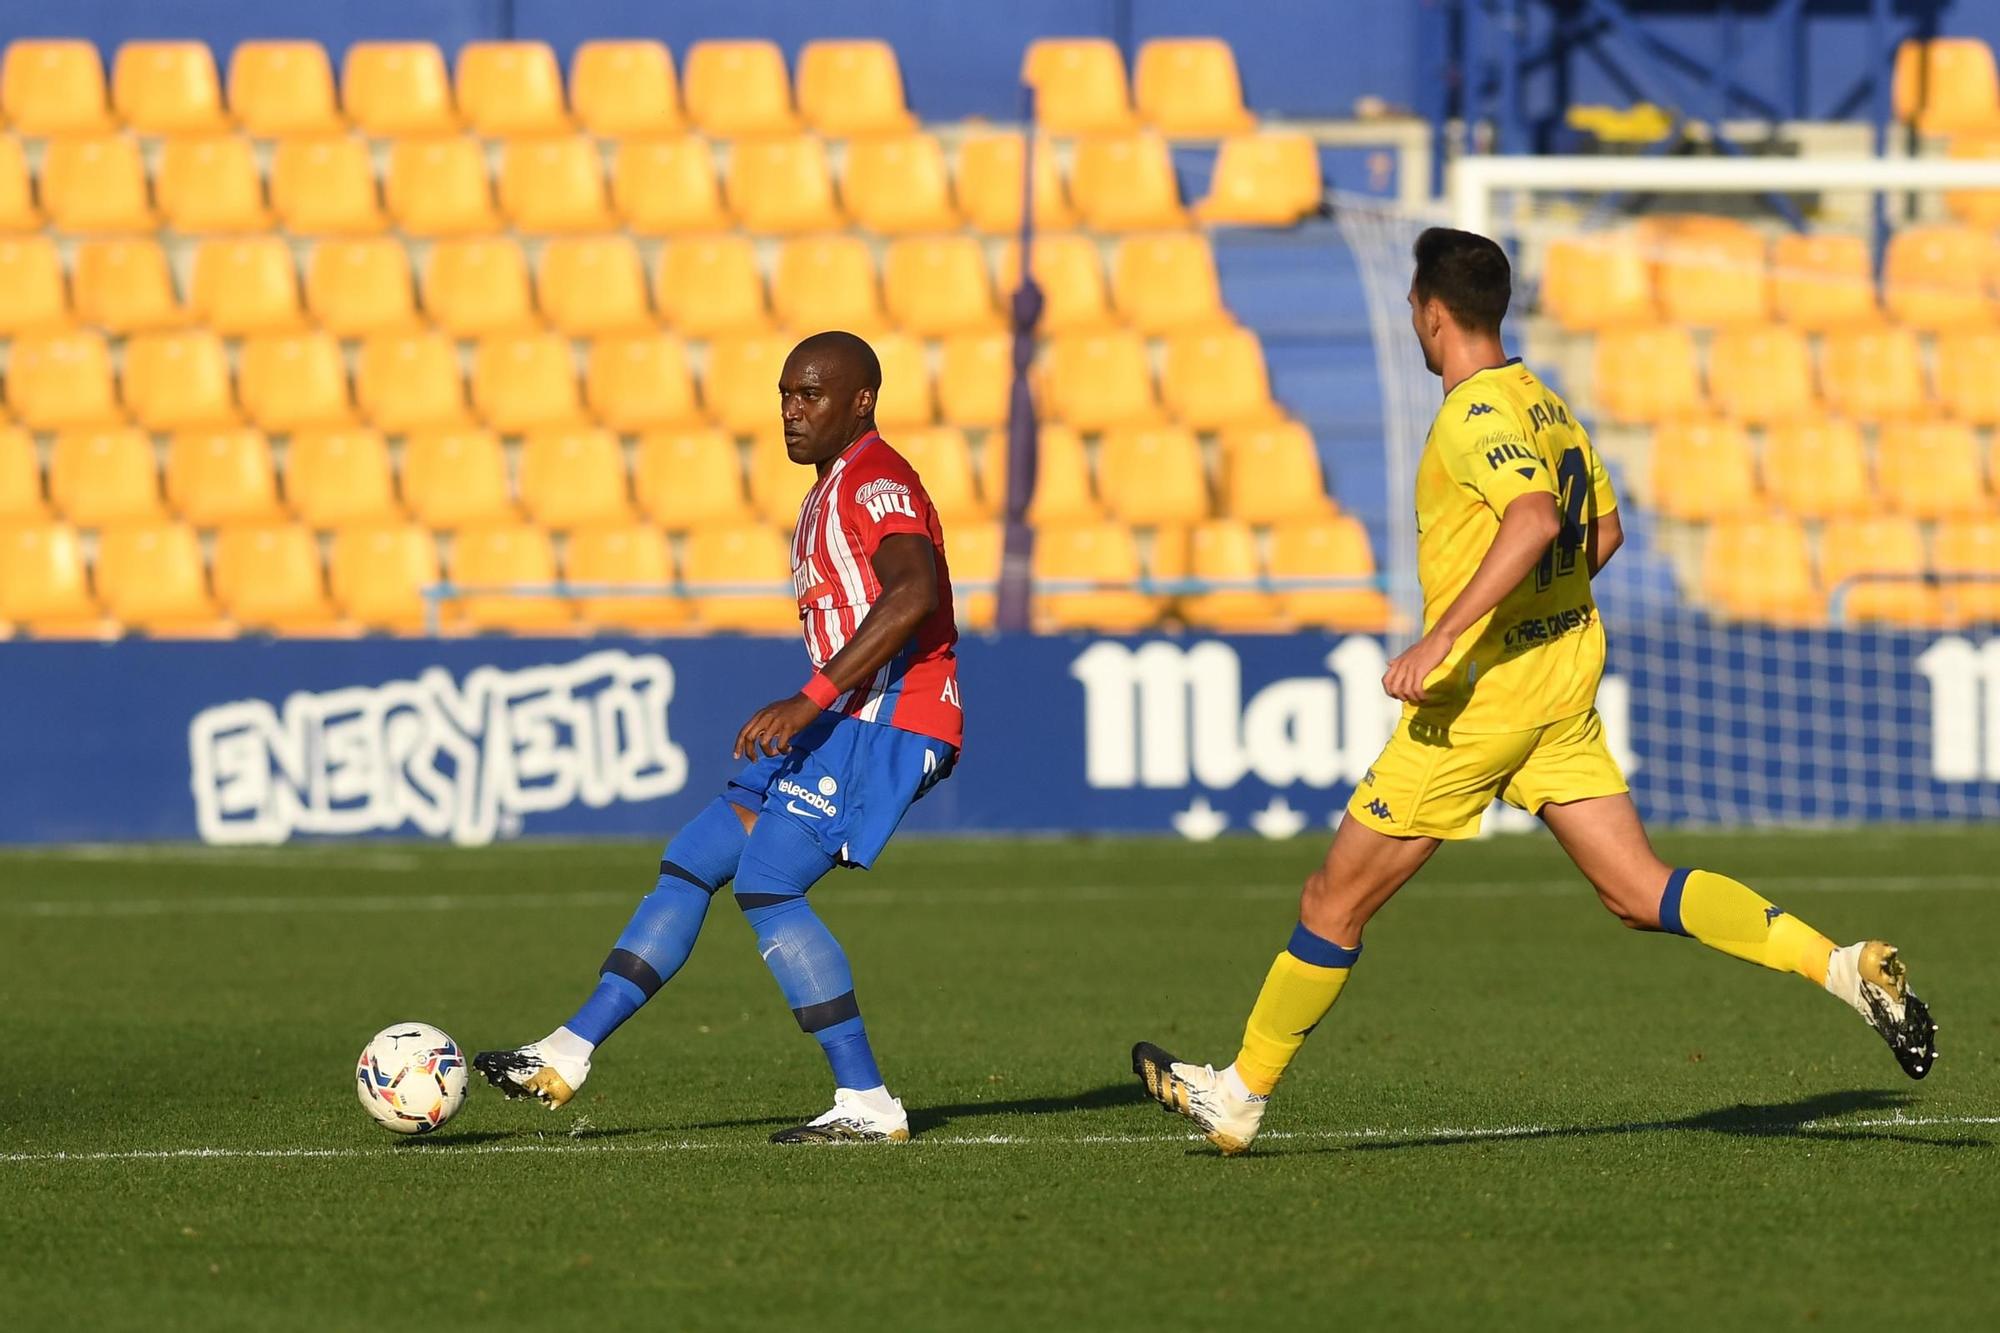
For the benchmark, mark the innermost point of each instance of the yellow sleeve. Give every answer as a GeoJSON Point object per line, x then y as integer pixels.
{"type": "Point", "coordinates": [1603, 499]}
{"type": "Point", "coordinates": [1485, 447]}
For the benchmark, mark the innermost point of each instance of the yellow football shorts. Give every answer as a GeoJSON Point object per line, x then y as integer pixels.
{"type": "Point", "coordinates": [1430, 782]}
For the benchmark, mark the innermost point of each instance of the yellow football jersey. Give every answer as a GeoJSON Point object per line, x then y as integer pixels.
{"type": "Point", "coordinates": [1536, 658]}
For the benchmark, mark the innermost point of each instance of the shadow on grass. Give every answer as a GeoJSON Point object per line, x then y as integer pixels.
{"type": "Point", "coordinates": [923, 1119]}
{"type": "Point", "coordinates": [527, 1132]}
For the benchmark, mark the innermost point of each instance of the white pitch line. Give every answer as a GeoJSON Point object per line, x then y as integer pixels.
{"type": "Point", "coordinates": [446, 1149]}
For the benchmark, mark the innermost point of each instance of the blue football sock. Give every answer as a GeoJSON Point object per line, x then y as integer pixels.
{"type": "Point", "coordinates": [661, 934]}
{"type": "Point", "coordinates": [780, 863]}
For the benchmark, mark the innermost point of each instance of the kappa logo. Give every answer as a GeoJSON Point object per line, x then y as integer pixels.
{"type": "Point", "coordinates": [1478, 410]}
{"type": "Point", "coordinates": [816, 799]}
{"type": "Point", "coordinates": [1379, 809]}
{"type": "Point", "coordinates": [1772, 914]}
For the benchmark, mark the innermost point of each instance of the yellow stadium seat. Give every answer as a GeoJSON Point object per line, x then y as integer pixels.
{"type": "Point", "coordinates": [104, 477]}
{"type": "Point", "coordinates": [282, 88]}
{"type": "Point", "coordinates": [1263, 180]}
{"type": "Point", "coordinates": [20, 478]}
{"type": "Point", "coordinates": [1126, 183]}
{"type": "Point", "coordinates": [1966, 383]}
{"type": "Point", "coordinates": [936, 285]}
{"type": "Point", "coordinates": [1879, 545]}
{"type": "Point", "coordinates": [477, 285]}
{"type": "Point", "coordinates": [782, 186]}
{"type": "Point", "coordinates": [736, 89]}
{"type": "Point", "coordinates": [905, 399]}
{"type": "Point", "coordinates": [1226, 549]}
{"type": "Point", "coordinates": [549, 186]}
{"type": "Point", "coordinates": [410, 381]}
{"type": "Point", "coordinates": [1166, 281]}
{"type": "Point", "coordinates": [167, 88]}
{"type": "Point", "coordinates": [510, 88]}
{"type": "Point", "coordinates": [1931, 470]}
{"type": "Point", "coordinates": [1188, 86]}
{"type": "Point", "coordinates": [1647, 374]}
{"type": "Point", "coordinates": [975, 379]}
{"type": "Point", "coordinates": [95, 185]}
{"type": "Point", "coordinates": [1062, 478]}
{"type": "Point", "coordinates": [524, 382]}
{"type": "Point", "coordinates": [268, 578]}
{"type": "Point", "coordinates": [1070, 273]}
{"type": "Point", "coordinates": [777, 484]}
{"type": "Point", "coordinates": [972, 552]}
{"type": "Point", "coordinates": [1598, 281]}
{"type": "Point", "coordinates": [392, 89]}
{"type": "Point", "coordinates": [337, 477]}
{"type": "Point", "coordinates": [1761, 374]}
{"type": "Point", "coordinates": [826, 282]}
{"type": "Point", "coordinates": [293, 381]}
{"type": "Point", "coordinates": [452, 478]}
{"type": "Point", "coordinates": [53, 87]}
{"type": "Point", "coordinates": [1761, 569]}
{"type": "Point", "coordinates": [359, 287]}
{"type": "Point", "coordinates": [18, 211]}
{"type": "Point", "coordinates": [740, 386]}
{"type": "Point", "coordinates": [438, 187]}
{"type": "Point", "coordinates": [378, 573]}
{"type": "Point", "coordinates": [629, 555]}
{"type": "Point", "coordinates": [1822, 282]}
{"type": "Point", "coordinates": [1271, 474]}
{"type": "Point", "coordinates": [898, 185]}
{"type": "Point", "coordinates": [150, 578]}
{"type": "Point", "coordinates": [944, 461]}
{"type": "Point", "coordinates": [690, 479]}
{"type": "Point", "coordinates": [1969, 547]}
{"type": "Point", "coordinates": [1330, 548]}
{"type": "Point", "coordinates": [1152, 475]}
{"type": "Point", "coordinates": [661, 186]}
{"type": "Point", "coordinates": [1079, 85]}
{"type": "Point", "coordinates": [741, 557]}
{"type": "Point", "coordinates": [990, 168]}
{"type": "Point", "coordinates": [711, 285]}
{"type": "Point", "coordinates": [622, 89]}
{"type": "Point", "coordinates": [641, 382]}
{"type": "Point", "coordinates": [217, 477]}
{"type": "Point", "coordinates": [245, 284]}
{"type": "Point", "coordinates": [1817, 469]}
{"type": "Point", "coordinates": [325, 187]}
{"type": "Point", "coordinates": [1935, 277]}
{"type": "Point", "coordinates": [42, 582]}
{"type": "Point", "coordinates": [1978, 208]}
{"type": "Point", "coordinates": [1098, 380]}
{"type": "Point", "coordinates": [178, 380]}
{"type": "Point", "coordinates": [852, 88]}
{"type": "Point", "coordinates": [61, 379]}
{"type": "Point", "coordinates": [591, 285]}
{"type": "Point", "coordinates": [574, 478]}
{"type": "Point", "coordinates": [1216, 377]}
{"type": "Point", "coordinates": [1702, 470]}
{"type": "Point", "coordinates": [1873, 374]}
{"type": "Point", "coordinates": [1946, 85]}
{"type": "Point", "coordinates": [31, 286]}
{"type": "Point", "coordinates": [210, 184]}
{"type": "Point", "coordinates": [1713, 280]}
{"type": "Point", "coordinates": [1090, 553]}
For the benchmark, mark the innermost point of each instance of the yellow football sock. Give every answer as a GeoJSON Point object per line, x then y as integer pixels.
{"type": "Point", "coordinates": [1298, 990]}
{"type": "Point", "coordinates": [1734, 918]}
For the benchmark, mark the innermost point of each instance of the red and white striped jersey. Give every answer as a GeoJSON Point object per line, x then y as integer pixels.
{"type": "Point", "coordinates": [868, 494]}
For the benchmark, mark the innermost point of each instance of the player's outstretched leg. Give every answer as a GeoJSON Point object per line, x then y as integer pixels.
{"type": "Point", "coordinates": [1604, 837]}
{"type": "Point", "coordinates": [780, 863]}
{"type": "Point", "coordinates": [1363, 869]}
{"type": "Point", "coordinates": [655, 942]}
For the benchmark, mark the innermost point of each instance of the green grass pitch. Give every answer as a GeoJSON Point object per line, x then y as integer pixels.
{"type": "Point", "coordinates": [1520, 1115]}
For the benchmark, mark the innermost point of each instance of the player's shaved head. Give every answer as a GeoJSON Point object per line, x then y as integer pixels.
{"type": "Point", "coordinates": [828, 389]}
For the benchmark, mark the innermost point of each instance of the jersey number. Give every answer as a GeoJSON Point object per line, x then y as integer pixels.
{"type": "Point", "coordinates": [1573, 481]}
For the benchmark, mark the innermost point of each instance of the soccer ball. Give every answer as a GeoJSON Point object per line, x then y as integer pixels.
{"type": "Point", "coordinates": [411, 1078]}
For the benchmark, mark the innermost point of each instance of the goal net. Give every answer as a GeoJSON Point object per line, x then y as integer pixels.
{"type": "Point", "coordinates": [1802, 619]}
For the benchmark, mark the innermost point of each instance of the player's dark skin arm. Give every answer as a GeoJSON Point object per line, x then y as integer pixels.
{"type": "Point", "coordinates": [904, 564]}
{"type": "Point", "coordinates": [1527, 527]}
{"type": "Point", "coordinates": [1607, 534]}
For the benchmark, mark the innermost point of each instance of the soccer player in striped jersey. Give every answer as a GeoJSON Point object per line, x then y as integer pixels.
{"type": "Point", "coordinates": [831, 769]}
{"type": "Point", "coordinates": [1515, 516]}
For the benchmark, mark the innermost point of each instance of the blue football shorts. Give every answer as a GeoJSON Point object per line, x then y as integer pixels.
{"type": "Point", "coordinates": [846, 782]}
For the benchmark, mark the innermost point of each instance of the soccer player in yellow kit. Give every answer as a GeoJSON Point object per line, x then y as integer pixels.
{"type": "Point", "coordinates": [1515, 516]}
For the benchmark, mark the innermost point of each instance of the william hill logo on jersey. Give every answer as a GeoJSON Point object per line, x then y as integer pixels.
{"type": "Point", "coordinates": [883, 497]}
{"type": "Point", "coordinates": [1511, 451]}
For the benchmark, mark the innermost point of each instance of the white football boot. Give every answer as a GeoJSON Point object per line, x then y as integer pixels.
{"type": "Point", "coordinates": [534, 1071]}
{"type": "Point", "coordinates": [1227, 1117]}
{"type": "Point", "coordinates": [856, 1117]}
{"type": "Point", "coordinates": [1871, 977]}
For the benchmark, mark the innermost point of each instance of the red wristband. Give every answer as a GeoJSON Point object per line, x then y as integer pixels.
{"type": "Point", "coordinates": [820, 690]}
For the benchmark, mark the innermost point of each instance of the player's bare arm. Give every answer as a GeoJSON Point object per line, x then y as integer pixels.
{"type": "Point", "coordinates": [1607, 534]}
{"type": "Point", "coordinates": [908, 573]}
{"type": "Point", "coordinates": [1527, 527]}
